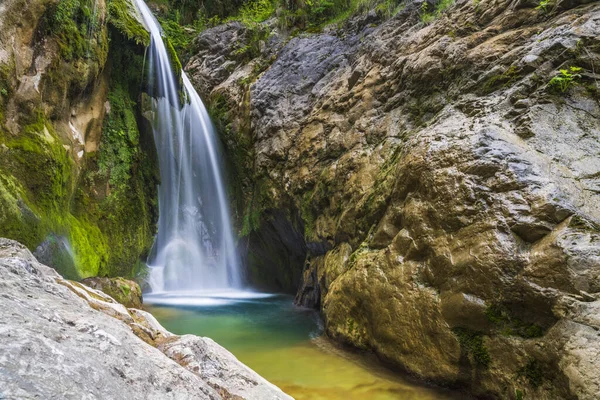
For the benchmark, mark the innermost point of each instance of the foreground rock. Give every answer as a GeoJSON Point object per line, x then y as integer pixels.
{"type": "Point", "coordinates": [61, 339]}
{"type": "Point", "coordinates": [122, 290]}
{"type": "Point", "coordinates": [448, 191]}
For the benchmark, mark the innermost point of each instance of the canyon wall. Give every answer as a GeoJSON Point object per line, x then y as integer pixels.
{"type": "Point", "coordinates": [429, 181]}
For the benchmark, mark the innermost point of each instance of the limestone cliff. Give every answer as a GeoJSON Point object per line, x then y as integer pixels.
{"type": "Point", "coordinates": [77, 172]}
{"type": "Point", "coordinates": [432, 179]}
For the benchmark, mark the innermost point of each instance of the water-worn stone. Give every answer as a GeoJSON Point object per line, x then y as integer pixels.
{"type": "Point", "coordinates": [62, 339]}
{"type": "Point", "coordinates": [448, 193]}
{"type": "Point", "coordinates": [122, 290]}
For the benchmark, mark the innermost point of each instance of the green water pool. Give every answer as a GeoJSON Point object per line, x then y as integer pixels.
{"type": "Point", "coordinates": [285, 344]}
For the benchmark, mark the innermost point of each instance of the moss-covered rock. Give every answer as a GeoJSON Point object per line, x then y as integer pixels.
{"type": "Point", "coordinates": [79, 187]}
{"type": "Point", "coordinates": [124, 16]}
{"type": "Point", "coordinates": [122, 290]}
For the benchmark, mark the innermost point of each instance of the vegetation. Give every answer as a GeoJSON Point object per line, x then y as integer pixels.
{"type": "Point", "coordinates": [125, 165]}
{"type": "Point", "coordinates": [543, 5]}
{"type": "Point", "coordinates": [532, 372]}
{"type": "Point", "coordinates": [428, 14]}
{"type": "Point", "coordinates": [182, 20]}
{"type": "Point", "coordinates": [471, 342]}
{"type": "Point", "coordinates": [39, 204]}
{"type": "Point", "coordinates": [565, 79]}
{"type": "Point", "coordinates": [510, 325]}
{"type": "Point", "coordinates": [76, 26]}
{"type": "Point", "coordinates": [503, 80]}
{"type": "Point", "coordinates": [121, 18]}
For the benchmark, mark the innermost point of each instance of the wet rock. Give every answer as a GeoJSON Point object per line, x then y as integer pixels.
{"type": "Point", "coordinates": [56, 253]}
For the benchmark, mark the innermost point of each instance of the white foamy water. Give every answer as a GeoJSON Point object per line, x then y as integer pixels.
{"type": "Point", "coordinates": [194, 248]}
{"type": "Point", "coordinates": [203, 298]}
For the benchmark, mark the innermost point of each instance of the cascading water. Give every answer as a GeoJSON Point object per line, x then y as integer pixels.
{"type": "Point", "coordinates": [194, 249]}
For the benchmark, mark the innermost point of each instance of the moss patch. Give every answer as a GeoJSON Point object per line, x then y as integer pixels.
{"type": "Point", "coordinates": [117, 189]}
{"type": "Point", "coordinates": [107, 206]}
{"type": "Point", "coordinates": [122, 16]}
{"type": "Point", "coordinates": [76, 26]}
{"type": "Point", "coordinates": [510, 325]}
{"type": "Point", "coordinates": [472, 344]}
{"type": "Point", "coordinates": [503, 80]}
{"type": "Point", "coordinates": [532, 372]}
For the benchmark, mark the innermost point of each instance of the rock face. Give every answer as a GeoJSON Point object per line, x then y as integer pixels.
{"type": "Point", "coordinates": [448, 189]}
{"type": "Point", "coordinates": [62, 339]}
{"type": "Point", "coordinates": [124, 291]}
{"type": "Point", "coordinates": [74, 165]}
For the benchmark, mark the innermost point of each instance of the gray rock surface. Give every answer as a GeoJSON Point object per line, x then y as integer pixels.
{"type": "Point", "coordinates": [448, 195]}
{"type": "Point", "coordinates": [61, 339]}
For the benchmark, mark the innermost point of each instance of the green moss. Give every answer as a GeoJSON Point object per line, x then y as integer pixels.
{"type": "Point", "coordinates": [17, 221]}
{"type": "Point", "coordinates": [121, 15]}
{"type": "Point", "coordinates": [260, 201]}
{"type": "Point", "coordinates": [108, 213]}
{"type": "Point", "coordinates": [117, 189]}
{"type": "Point", "coordinates": [471, 342]}
{"type": "Point", "coordinates": [509, 324]}
{"type": "Point", "coordinates": [39, 160]}
{"type": "Point", "coordinates": [503, 80]}
{"type": "Point", "coordinates": [175, 63]}
{"type": "Point", "coordinates": [532, 372]}
{"type": "Point", "coordinates": [90, 249]}
{"type": "Point", "coordinates": [39, 204]}
{"type": "Point", "coordinates": [76, 26]}
{"type": "Point", "coordinates": [125, 289]}
{"type": "Point", "coordinates": [120, 140]}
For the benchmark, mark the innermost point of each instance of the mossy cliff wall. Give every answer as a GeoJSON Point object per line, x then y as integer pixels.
{"type": "Point", "coordinates": [439, 174]}
{"type": "Point", "coordinates": [77, 174]}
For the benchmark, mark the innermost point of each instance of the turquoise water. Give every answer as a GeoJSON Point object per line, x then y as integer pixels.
{"type": "Point", "coordinates": [285, 345]}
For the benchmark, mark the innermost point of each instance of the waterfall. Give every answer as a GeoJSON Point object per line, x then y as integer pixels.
{"type": "Point", "coordinates": [194, 249]}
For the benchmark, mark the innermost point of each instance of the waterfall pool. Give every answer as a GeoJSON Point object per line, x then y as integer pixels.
{"type": "Point", "coordinates": [285, 345]}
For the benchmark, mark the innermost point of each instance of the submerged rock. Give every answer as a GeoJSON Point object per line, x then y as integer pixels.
{"type": "Point", "coordinates": [62, 339]}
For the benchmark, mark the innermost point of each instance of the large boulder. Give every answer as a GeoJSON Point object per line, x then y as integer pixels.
{"type": "Point", "coordinates": [62, 339]}
{"type": "Point", "coordinates": [447, 187]}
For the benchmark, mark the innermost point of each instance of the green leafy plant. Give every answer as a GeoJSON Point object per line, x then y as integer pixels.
{"type": "Point", "coordinates": [565, 79]}
{"type": "Point", "coordinates": [428, 16]}
{"type": "Point", "coordinates": [543, 5]}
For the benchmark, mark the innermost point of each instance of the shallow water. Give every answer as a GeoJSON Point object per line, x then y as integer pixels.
{"type": "Point", "coordinates": [285, 345]}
